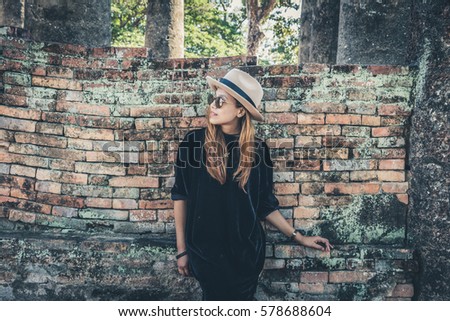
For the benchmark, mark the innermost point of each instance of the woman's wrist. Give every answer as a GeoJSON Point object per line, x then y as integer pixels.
{"type": "Point", "coordinates": [297, 236]}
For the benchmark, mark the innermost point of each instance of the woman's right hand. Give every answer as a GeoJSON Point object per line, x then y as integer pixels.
{"type": "Point", "coordinates": [183, 266]}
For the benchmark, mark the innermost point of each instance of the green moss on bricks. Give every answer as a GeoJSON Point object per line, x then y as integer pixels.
{"type": "Point", "coordinates": [156, 252]}
{"type": "Point", "coordinates": [372, 219]}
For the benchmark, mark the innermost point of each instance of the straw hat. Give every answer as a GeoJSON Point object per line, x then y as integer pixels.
{"type": "Point", "coordinates": [246, 89]}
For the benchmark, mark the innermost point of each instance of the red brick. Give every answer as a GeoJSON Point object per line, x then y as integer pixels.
{"type": "Point", "coordinates": [58, 83]}
{"type": "Point", "coordinates": [287, 200]}
{"type": "Point", "coordinates": [395, 187]}
{"type": "Point", "coordinates": [165, 216]}
{"type": "Point", "coordinates": [134, 181]}
{"type": "Point", "coordinates": [155, 204]}
{"type": "Point", "coordinates": [23, 171]}
{"type": "Point", "coordinates": [343, 119]}
{"type": "Point", "coordinates": [403, 290]}
{"type": "Point", "coordinates": [306, 212]}
{"type": "Point", "coordinates": [315, 288]}
{"type": "Point", "coordinates": [142, 215]}
{"type": "Point", "coordinates": [314, 119]}
{"type": "Point", "coordinates": [391, 164]}
{"type": "Point", "coordinates": [125, 203]}
{"type": "Point", "coordinates": [41, 139]}
{"type": "Point", "coordinates": [391, 176]}
{"type": "Point", "coordinates": [314, 277]}
{"type": "Point", "coordinates": [98, 202]}
{"type": "Point", "coordinates": [277, 106]}
{"type": "Point", "coordinates": [387, 131]}
{"type": "Point", "coordinates": [17, 124]}
{"type": "Point", "coordinates": [370, 120]}
{"type": "Point", "coordinates": [22, 216]}
{"type": "Point", "coordinates": [81, 108]}
{"type": "Point", "coordinates": [88, 133]}
{"type": "Point", "coordinates": [352, 188]}
{"type": "Point", "coordinates": [323, 107]}
{"type": "Point", "coordinates": [281, 118]}
{"type": "Point", "coordinates": [58, 71]}
{"type": "Point", "coordinates": [350, 276]}
{"type": "Point", "coordinates": [48, 187]}
{"type": "Point", "coordinates": [404, 198]}
{"type": "Point", "coordinates": [312, 188]}
{"type": "Point", "coordinates": [392, 109]}
{"type": "Point", "coordinates": [286, 188]}
{"type": "Point", "coordinates": [14, 100]}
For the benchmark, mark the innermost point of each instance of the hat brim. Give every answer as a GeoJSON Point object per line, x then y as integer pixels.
{"type": "Point", "coordinates": [214, 84]}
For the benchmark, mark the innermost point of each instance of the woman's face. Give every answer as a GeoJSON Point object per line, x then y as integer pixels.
{"type": "Point", "coordinates": [228, 113]}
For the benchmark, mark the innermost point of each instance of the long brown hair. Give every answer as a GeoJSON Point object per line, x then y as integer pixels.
{"type": "Point", "coordinates": [215, 148]}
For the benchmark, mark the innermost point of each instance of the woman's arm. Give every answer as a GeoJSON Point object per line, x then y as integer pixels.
{"type": "Point", "coordinates": [278, 220]}
{"type": "Point", "coordinates": [179, 213]}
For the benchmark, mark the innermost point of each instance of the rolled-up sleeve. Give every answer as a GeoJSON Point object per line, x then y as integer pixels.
{"type": "Point", "coordinates": [268, 202]}
{"type": "Point", "coordinates": [180, 188]}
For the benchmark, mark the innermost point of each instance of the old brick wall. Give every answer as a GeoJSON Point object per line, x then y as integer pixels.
{"type": "Point", "coordinates": [82, 218]}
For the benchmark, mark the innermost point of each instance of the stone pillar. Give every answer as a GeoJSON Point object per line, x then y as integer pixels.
{"type": "Point", "coordinates": [374, 32]}
{"type": "Point", "coordinates": [81, 22]}
{"type": "Point", "coordinates": [12, 13]}
{"type": "Point", "coordinates": [319, 31]}
{"type": "Point", "coordinates": [165, 28]}
{"type": "Point", "coordinates": [429, 220]}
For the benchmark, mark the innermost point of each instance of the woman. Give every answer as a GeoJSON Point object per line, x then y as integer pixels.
{"type": "Point", "coordinates": [223, 189]}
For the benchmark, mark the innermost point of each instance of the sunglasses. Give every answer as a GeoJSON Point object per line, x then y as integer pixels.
{"type": "Point", "coordinates": [218, 101]}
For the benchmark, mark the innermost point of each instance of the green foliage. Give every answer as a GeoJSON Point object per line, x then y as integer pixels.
{"type": "Point", "coordinates": [211, 31]}
{"type": "Point", "coordinates": [284, 46]}
{"type": "Point", "coordinates": [128, 18]}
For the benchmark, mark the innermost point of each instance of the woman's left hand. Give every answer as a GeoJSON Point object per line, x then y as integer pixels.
{"type": "Point", "coordinates": [311, 241]}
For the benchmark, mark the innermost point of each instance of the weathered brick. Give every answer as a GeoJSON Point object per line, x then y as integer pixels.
{"type": "Point", "coordinates": [403, 290]}
{"type": "Point", "coordinates": [277, 106]}
{"type": "Point", "coordinates": [323, 107]}
{"type": "Point", "coordinates": [343, 119]}
{"type": "Point", "coordinates": [103, 214]}
{"type": "Point", "coordinates": [143, 215]}
{"type": "Point", "coordinates": [311, 119]}
{"type": "Point", "coordinates": [48, 187]}
{"type": "Point", "coordinates": [387, 131]}
{"type": "Point", "coordinates": [125, 204]}
{"type": "Point", "coordinates": [17, 124]}
{"type": "Point", "coordinates": [370, 120]}
{"type": "Point", "coordinates": [350, 276]}
{"type": "Point", "coordinates": [95, 168]}
{"type": "Point", "coordinates": [286, 188]}
{"type": "Point", "coordinates": [393, 109]}
{"type": "Point", "coordinates": [64, 211]}
{"type": "Point", "coordinates": [395, 187]}
{"type": "Point", "coordinates": [391, 164]}
{"type": "Point", "coordinates": [88, 133]}
{"type": "Point", "coordinates": [312, 188]}
{"type": "Point", "coordinates": [281, 118]}
{"type": "Point", "coordinates": [313, 277]}
{"type": "Point", "coordinates": [148, 123]}
{"type": "Point", "coordinates": [82, 108]}
{"type": "Point", "coordinates": [41, 139]}
{"type": "Point", "coordinates": [134, 181]}
{"type": "Point", "coordinates": [22, 216]}
{"type": "Point", "coordinates": [24, 113]}
{"type": "Point", "coordinates": [352, 188]}
{"type": "Point", "coordinates": [23, 170]}
{"type": "Point", "coordinates": [306, 212]}
{"type": "Point", "coordinates": [58, 83]}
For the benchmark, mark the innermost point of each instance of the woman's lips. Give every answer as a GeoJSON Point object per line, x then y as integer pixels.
{"type": "Point", "coordinates": [213, 114]}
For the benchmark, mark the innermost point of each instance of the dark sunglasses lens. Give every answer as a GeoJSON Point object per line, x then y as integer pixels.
{"type": "Point", "coordinates": [218, 105]}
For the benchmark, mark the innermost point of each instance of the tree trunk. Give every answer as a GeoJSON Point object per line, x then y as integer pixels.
{"type": "Point", "coordinates": [164, 32]}
{"type": "Point", "coordinates": [256, 16]}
